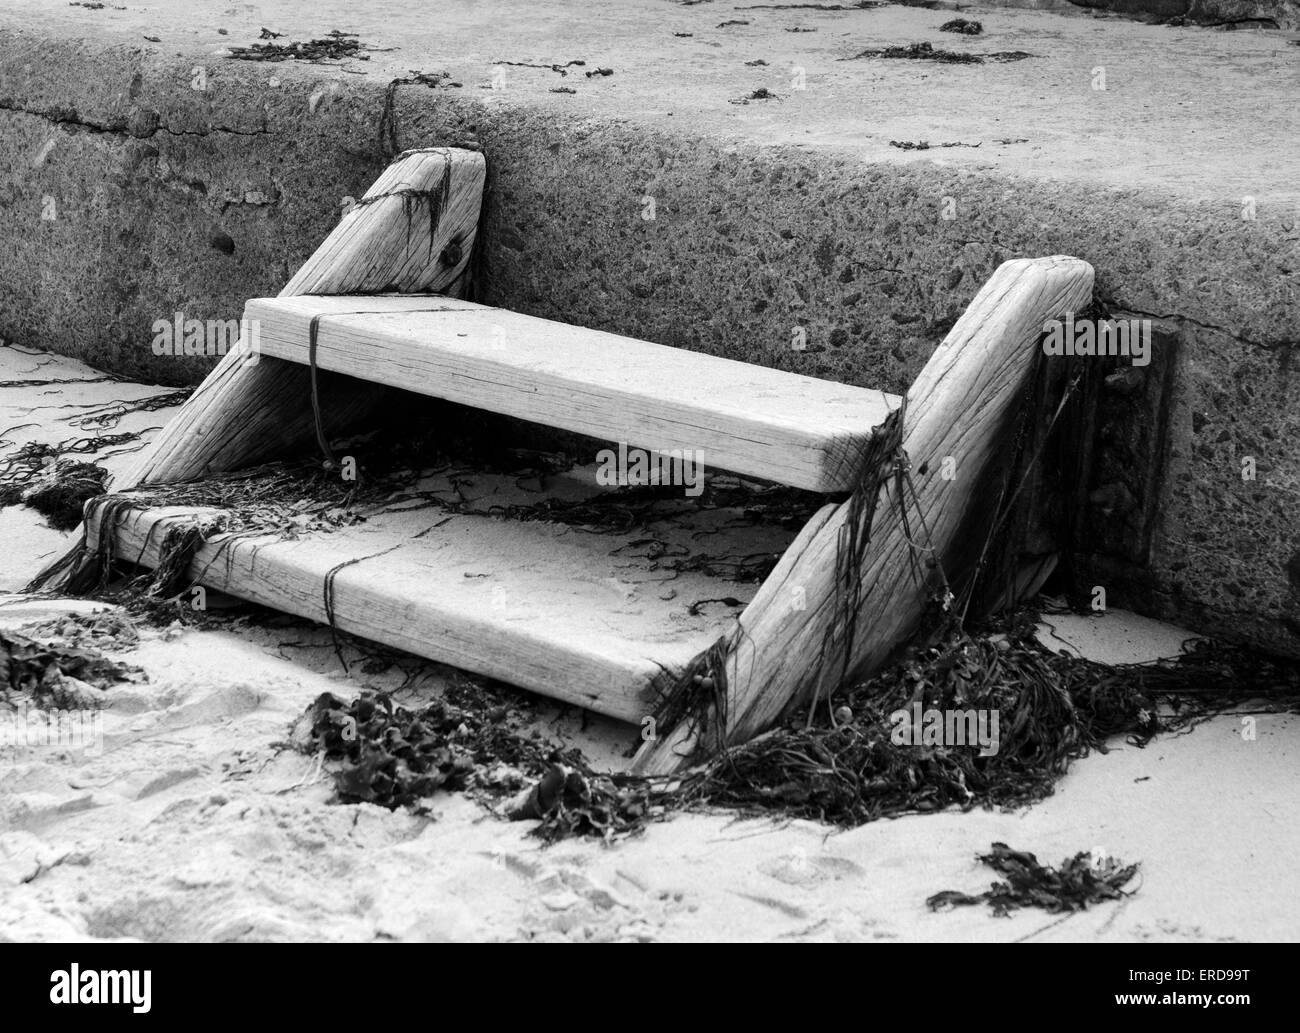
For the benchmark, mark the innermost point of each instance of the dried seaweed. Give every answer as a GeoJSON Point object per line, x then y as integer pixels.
{"type": "Point", "coordinates": [964, 26]}
{"type": "Point", "coordinates": [762, 93]}
{"type": "Point", "coordinates": [1079, 881]}
{"type": "Point", "coordinates": [844, 769]}
{"type": "Point", "coordinates": [107, 417]}
{"type": "Point", "coordinates": [922, 52]}
{"type": "Point", "coordinates": [476, 740]}
{"type": "Point", "coordinates": [48, 383]}
{"type": "Point", "coordinates": [26, 462]}
{"type": "Point", "coordinates": [56, 674]}
{"type": "Point", "coordinates": [925, 145]}
{"type": "Point", "coordinates": [1053, 709]}
{"type": "Point", "coordinates": [393, 757]}
{"type": "Point", "coordinates": [58, 492]}
{"type": "Point", "coordinates": [336, 45]}
{"type": "Point", "coordinates": [927, 52]}
{"type": "Point", "coordinates": [562, 68]}
{"type": "Point", "coordinates": [103, 629]}
{"type": "Point", "coordinates": [37, 475]}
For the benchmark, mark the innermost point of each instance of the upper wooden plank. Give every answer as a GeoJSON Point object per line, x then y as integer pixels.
{"type": "Point", "coordinates": [752, 420]}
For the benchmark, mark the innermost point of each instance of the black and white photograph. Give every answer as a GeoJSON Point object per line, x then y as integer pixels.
{"type": "Point", "coordinates": [650, 471]}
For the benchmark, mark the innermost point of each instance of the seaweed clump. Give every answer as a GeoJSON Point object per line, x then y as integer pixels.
{"type": "Point", "coordinates": [1079, 881]}
{"type": "Point", "coordinates": [923, 52]}
{"type": "Point", "coordinates": [58, 491]}
{"type": "Point", "coordinates": [927, 52]}
{"type": "Point", "coordinates": [847, 767]}
{"type": "Point", "coordinates": [472, 740]}
{"type": "Point", "coordinates": [57, 674]}
{"type": "Point", "coordinates": [335, 46]}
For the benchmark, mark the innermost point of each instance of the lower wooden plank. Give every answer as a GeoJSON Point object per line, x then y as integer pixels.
{"type": "Point", "coordinates": [594, 619]}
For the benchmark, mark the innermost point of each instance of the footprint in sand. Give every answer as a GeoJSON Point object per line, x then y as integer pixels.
{"type": "Point", "coordinates": [799, 868]}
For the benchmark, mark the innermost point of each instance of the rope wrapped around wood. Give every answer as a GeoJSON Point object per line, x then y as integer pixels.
{"type": "Point", "coordinates": [699, 697]}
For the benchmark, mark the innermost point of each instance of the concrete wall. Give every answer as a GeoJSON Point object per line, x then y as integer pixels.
{"type": "Point", "coordinates": [167, 199]}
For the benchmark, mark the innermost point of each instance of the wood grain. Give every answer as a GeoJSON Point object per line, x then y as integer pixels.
{"type": "Point", "coordinates": [736, 416]}
{"type": "Point", "coordinates": [413, 231]}
{"type": "Point", "coordinates": [578, 616]}
{"type": "Point", "coordinates": [958, 407]}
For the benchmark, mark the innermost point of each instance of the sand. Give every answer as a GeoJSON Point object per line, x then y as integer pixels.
{"type": "Point", "coordinates": [196, 821]}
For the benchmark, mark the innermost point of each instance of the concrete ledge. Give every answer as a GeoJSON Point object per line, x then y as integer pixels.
{"type": "Point", "coordinates": [768, 216]}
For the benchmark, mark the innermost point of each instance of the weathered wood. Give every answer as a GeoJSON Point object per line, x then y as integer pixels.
{"type": "Point", "coordinates": [958, 407]}
{"type": "Point", "coordinates": [413, 232]}
{"type": "Point", "coordinates": [736, 416]}
{"type": "Point", "coordinates": [815, 620]}
{"type": "Point", "coordinates": [577, 616]}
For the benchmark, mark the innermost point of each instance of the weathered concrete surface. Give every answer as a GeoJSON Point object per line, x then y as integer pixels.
{"type": "Point", "coordinates": [768, 215]}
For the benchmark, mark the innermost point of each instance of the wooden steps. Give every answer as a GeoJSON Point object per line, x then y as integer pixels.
{"type": "Point", "coordinates": [852, 585]}
{"type": "Point", "coordinates": [752, 420]}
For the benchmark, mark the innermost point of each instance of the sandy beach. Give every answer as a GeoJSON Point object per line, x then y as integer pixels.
{"type": "Point", "coordinates": [194, 819]}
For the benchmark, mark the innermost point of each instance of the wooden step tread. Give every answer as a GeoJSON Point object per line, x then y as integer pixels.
{"type": "Point", "coordinates": [603, 620]}
{"type": "Point", "coordinates": [753, 420]}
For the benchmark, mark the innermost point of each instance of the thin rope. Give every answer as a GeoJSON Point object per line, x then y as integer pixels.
{"type": "Point", "coordinates": [330, 462]}
{"type": "Point", "coordinates": [313, 333]}
{"type": "Point", "coordinates": [327, 594]}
